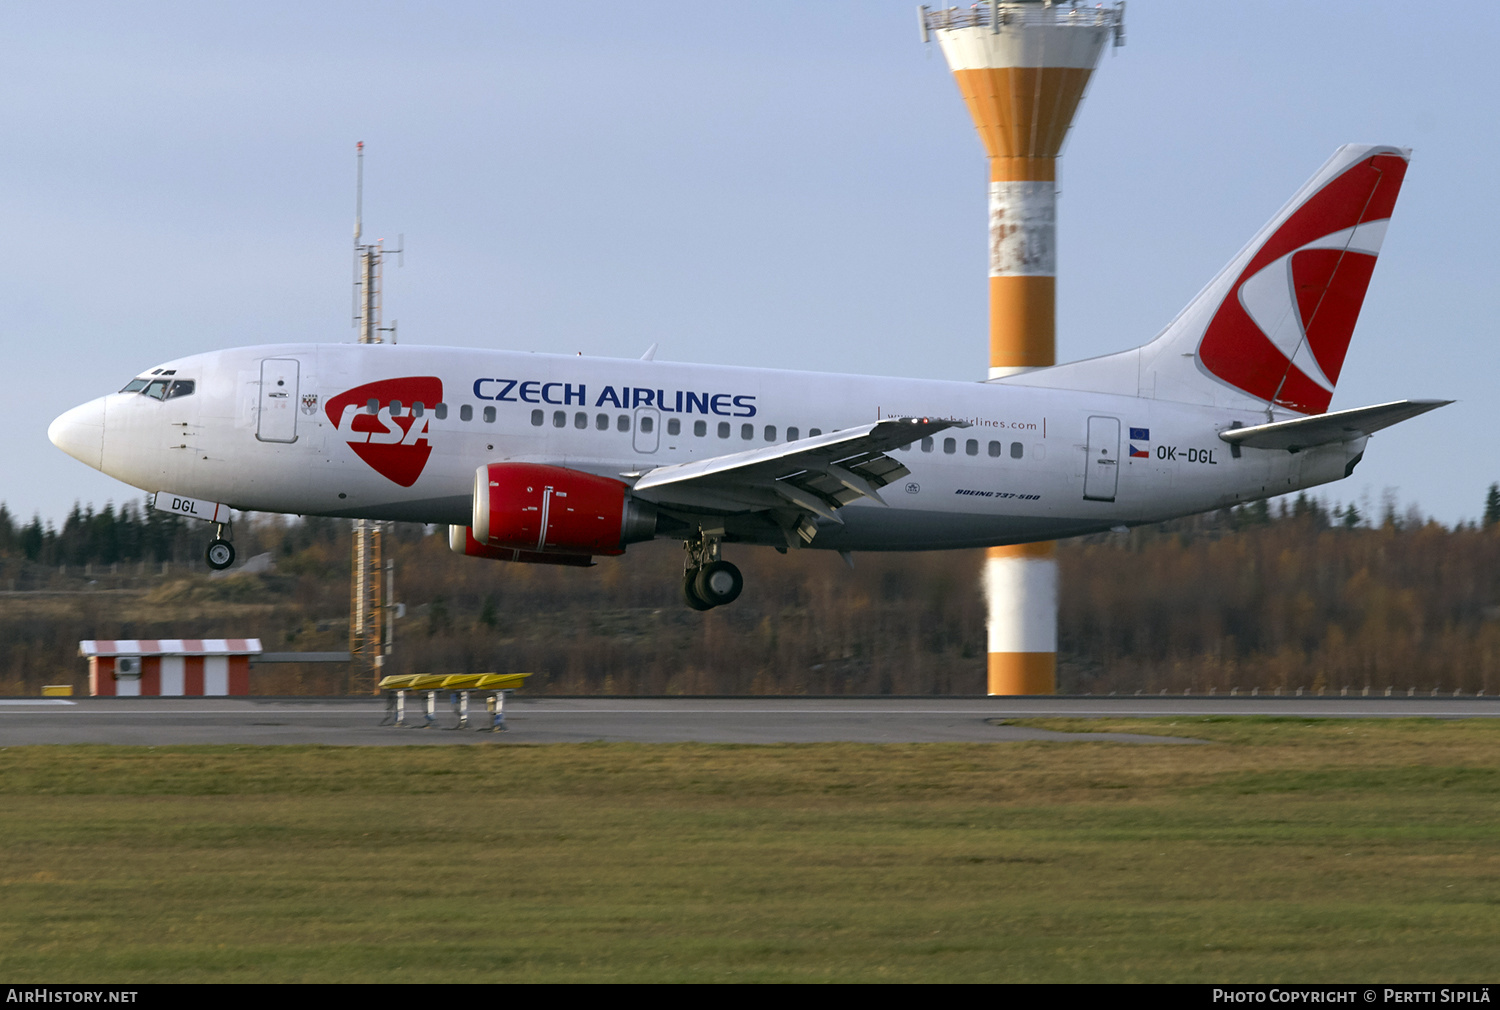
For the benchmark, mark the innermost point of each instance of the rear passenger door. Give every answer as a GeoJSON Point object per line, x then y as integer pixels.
{"type": "Point", "coordinates": [1101, 473]}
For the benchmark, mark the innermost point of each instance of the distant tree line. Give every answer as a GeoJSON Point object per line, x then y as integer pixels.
{"type": "Point", "coordinates": [1304, 599]}
{"type": "Point", "coordinates": [130, 533]}
{"type": "Point", "coordinates": [1280, 595]}
{"type": "Point", "coordinates": [138, 533]}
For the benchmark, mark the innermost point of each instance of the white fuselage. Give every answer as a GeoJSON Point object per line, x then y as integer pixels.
{"type": "Point", "coordinates": [269, 429]}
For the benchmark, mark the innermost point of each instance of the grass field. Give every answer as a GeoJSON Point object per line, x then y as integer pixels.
{"type": "Point", "coordinates": [1280, 850]}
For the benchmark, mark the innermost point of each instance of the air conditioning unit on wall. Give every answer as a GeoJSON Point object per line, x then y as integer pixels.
{"type": "Point", "coordinates": [128, 666]}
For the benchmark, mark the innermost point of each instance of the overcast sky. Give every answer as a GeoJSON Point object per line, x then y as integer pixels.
{"type": "Point", "coordinates": [786, 184]}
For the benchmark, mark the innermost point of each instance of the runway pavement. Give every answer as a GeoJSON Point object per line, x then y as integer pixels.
{"type": "Point", "coordinates": [356, 721]}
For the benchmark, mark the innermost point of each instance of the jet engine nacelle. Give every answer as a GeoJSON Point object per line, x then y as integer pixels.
{"type": "Point", "coordinates": [461, 541]}
{"type": "Point", "coordinates": [555, 510]}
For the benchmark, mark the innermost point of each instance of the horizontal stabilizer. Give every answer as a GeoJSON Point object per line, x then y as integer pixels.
{"type": "Point", "coordinates": [1321, 429]}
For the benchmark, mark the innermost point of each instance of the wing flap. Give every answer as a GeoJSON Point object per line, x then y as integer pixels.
{"type": "Point", "coordinates": [815, 476]}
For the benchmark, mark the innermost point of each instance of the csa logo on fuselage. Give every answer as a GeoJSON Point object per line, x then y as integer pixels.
{"type": "Point", "coordinates": [393, 440]}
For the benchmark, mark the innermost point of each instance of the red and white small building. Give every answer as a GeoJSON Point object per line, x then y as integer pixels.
{"type": "Point", "coordinates": [169, 667]}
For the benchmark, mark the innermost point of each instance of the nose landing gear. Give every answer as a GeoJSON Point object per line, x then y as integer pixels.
{"type": "Point", "coordinates": [708, 581]}
{"type": "Point", "coordinates": [220, 553]}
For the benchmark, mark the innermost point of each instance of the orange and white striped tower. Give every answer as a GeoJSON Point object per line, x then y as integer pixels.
{"type": "Point", "coordinates": [1022, 67]}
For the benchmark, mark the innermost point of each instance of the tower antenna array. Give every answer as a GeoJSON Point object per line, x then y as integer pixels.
{"type": "Point", "coordinates": [372, 582]}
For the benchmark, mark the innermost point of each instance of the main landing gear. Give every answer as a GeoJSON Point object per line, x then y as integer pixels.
{"type": "Point", "coordinates": [709, 581]}
{"type": "Point", "coordinates": [220, 553]}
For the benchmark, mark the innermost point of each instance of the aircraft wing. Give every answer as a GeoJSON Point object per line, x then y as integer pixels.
{"type": "Point", "coordinates": [814, 476]}
{"type": "Point", "coordinates": [1320, 429]}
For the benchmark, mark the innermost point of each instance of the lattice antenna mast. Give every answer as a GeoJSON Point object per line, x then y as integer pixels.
{"type": "Point", "coordinates": [372, 583]}
{"type": "Point", "coordinates": [368, 259]}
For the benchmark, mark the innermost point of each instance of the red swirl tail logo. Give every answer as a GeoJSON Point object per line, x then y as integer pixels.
{"type": "Point", "coordinates": [392, 438]}
{"type": "Point", "coordinates": [1283, 330]}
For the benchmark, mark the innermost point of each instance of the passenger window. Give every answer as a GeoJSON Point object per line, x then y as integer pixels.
{"type": "Point", "coordinates": [971, 447]}
{"type": "Point", "coordinates": [646, 424]}
{"type": "Point", "coordinates": [791, 434]}
{"type": "Point", "coordinates": [489, 415]}
{"type": "Point", "coordinates": [747, 431]}
{"type": "Point", "coordinates": [602, 422]}
{"type": "Point", "coordinates": [1017, 450]}
{"type": "Point", "coordinates": [466, 413]}
{"type": "Point", "coordinates": [906, 447]}
{"type": "Point", "coordinates": [926, 445]}
{"type": "Point", "coordinates": [674, 426]}
{"type": "Point", "coordinates": [440, 412]}
{"type": "Point", "coordinates": [537, 417]}
{"type": "Point", "coordinates": [559, 419]}
{"type": "Point", "coordinates": [135, 385]}
{"type": "Point", "coordinates": [373, 407]}
{"type": "Point", "coordinates": [182, 387]}
{"type": "Point", "coordinates": [950, 445]}
{"type": "Point", "coordinates": [700, 428]}
{"type": "Point", "coordinates": [395, 408]}
{"type": "Point", "coordinates": [417, 409]}
{"type": "Point", "coordinates": [995, 449]}
{"type": "Point", "coordinates": [814, 432]}
{"type": "Point", "coordinates": [580, 420]}
{"type": "Point", "coordinates": [723, 429]}
{"type": "Point", "coordinates": [157, 390]}
{"type": "Point", "coordinates": [624, 423]}
{"type": "Point", "coordinates": [770, 433]}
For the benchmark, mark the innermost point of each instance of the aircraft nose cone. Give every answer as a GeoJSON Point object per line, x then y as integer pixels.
{"type": "Point", "coordinates": [80, 433]}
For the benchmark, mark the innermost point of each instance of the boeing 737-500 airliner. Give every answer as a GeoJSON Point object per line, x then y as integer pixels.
{"type": "Point", "coordinates": [557, 459]}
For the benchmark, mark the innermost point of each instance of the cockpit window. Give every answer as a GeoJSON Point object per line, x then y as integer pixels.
{"type": "Point", "coordinates": [161, 389]}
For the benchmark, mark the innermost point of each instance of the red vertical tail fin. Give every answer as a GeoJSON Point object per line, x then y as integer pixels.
{"type": "Point", "coordinates": [1282, 328]}
{"type": "Point", "coordinates": [1272, 329]}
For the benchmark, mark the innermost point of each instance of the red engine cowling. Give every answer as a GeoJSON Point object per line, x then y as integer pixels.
{"type": "Point", "coordinates": [461, 541]}
{"type": "Point", "coordinates": [555, 510]}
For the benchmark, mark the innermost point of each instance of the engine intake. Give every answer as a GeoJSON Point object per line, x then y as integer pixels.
{"type": "Point", "coordinates": [554, 510]}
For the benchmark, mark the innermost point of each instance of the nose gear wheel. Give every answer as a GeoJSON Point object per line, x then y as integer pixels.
{"type": "Point", "coordinates": [220, 553]}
